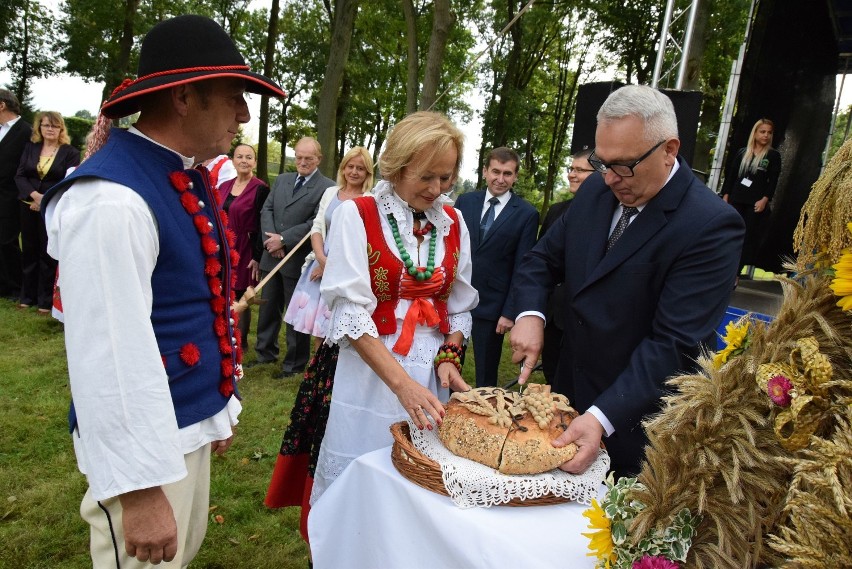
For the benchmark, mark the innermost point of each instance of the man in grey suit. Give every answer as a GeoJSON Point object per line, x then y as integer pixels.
{"type": "Point", "coordinates": [286, 217]}
{"type": "Point", "coordinates": [14, 134]}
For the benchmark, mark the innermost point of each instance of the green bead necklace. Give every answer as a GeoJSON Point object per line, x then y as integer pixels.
{"type": "Point", "coordinates": [406, 258]}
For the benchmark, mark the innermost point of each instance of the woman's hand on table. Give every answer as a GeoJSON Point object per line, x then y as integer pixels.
{"type": "Point", "coordinates": [422, 405]}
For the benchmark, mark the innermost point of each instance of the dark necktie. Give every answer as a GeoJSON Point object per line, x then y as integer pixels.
{"type": "Point", "coordinates": [623, 222]}
{"type": "Point", "coordinates": [300, 180]}
{"type": "Point", "coordinates": [488, 218]}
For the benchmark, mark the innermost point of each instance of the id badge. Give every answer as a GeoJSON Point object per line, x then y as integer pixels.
{"type": "Point", "coordinates": [745, 182]}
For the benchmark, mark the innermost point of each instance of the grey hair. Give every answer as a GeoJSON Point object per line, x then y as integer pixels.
{"type": "Point", "coordinates": [654, 108]}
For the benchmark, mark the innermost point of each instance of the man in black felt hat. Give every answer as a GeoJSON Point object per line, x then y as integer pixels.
{"type": "Point", "coordinates": [153, 348]}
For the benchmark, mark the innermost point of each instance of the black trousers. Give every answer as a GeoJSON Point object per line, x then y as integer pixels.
{"type": "Point", "coordinates": [10, 248]}
{"type": "Point", "coordinates": [38, 269]}
{"type": "Point", "coordinates": [487, 350]}
{"type": "Point", "coordinates": [277, 293]}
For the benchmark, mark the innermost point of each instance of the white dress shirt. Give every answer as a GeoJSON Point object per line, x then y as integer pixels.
{"type": "Point", "coordinates": [7, 126]}
{"type": "Point", "coordinates": [503, 200]}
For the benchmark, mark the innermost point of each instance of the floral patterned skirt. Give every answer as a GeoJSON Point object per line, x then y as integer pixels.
{"type": "Point", "coordinates": [292, 477]}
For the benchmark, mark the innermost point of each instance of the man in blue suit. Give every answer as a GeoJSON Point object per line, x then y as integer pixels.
{"type": "Point", "coordinates": [503, 227]}
{"type": "Point", "coordinates": [648, 256]}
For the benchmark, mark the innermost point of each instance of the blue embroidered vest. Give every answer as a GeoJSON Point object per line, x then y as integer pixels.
{"type": "Point", "coordinates": [192, 279]}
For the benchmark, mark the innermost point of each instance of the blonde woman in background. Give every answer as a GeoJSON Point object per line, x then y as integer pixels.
{"type": "Point", "coordinates": [750, 184]}
{"type": "Point", "coordinates": [44, 162]}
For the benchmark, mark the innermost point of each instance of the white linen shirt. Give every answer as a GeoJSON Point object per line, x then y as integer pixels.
{"type": "Point", "coordinates": [105, 238]}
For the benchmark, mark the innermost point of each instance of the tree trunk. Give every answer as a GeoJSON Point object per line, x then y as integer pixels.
{"type": "Point", "coordinates": [119, 69]}
{"type": "Point", "coordinates": [341, 37]}
{"type": "Point", "coordinates": [285, 135]}
{"type": "Point", "coordinates": [412, 82]}
{"type": "Point", "coordinates": [263, 119]}
{"type": "Point", "coordinates": [509, 79]}
{"type": "Point", "coordinates": [442, 21]}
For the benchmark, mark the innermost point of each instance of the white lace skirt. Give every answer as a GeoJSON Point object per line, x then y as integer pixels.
{"type": "Point", "coordinates": [363, 408]}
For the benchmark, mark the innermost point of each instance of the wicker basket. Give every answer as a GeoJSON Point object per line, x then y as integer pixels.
{"type": "Point", "coordinates": [426, 473]}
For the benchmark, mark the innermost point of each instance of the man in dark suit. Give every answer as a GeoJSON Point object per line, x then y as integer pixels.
{"type": "Point", "coordinates": [286, 217]}
{"type": "Point", "coordinates": [578, 171]}
{"type": "Point", "coordinates": [14, 134]}
{"type": "Point", "coordinates": [503, 227]}
{"type": "Point", "coordinates": [648, 255]}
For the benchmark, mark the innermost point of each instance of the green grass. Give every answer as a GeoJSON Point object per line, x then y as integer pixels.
{"type": "Point", "coordinates": [40, 525]}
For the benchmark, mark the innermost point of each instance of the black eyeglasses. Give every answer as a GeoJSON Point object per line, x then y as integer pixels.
{"type": "Point", "coordinates": [622, 170]}
{"type": "Point", "coordinates": [580, 170]}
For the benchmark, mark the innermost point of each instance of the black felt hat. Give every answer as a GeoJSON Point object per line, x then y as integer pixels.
{"type": "Point", "coordinates": [183, 50]}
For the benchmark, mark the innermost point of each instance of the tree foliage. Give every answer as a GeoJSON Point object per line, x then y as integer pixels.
{"type": "Point", "coordinates": [534, 71]}
{"type": "Point", "coordinates": [29, 42]}
{"type": "Point", "coordinates": [352, 69]}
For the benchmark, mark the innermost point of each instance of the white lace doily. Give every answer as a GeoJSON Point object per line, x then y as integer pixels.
{"type": "Point", "coordinates": [471, 484]}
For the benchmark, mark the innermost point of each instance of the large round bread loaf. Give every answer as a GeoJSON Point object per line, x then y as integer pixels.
{"type": "Point", "coordinates": [507, 431]}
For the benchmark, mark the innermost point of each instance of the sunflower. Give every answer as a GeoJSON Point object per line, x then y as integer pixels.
{"type": "Point", "coordinates": [601, 545]}
{"type": "Point", "coordinates": [841, 284]}
{"type": "Point", "coordinates": [736, 340]}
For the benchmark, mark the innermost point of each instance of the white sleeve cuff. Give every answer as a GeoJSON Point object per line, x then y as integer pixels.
{"type": "Point", "coordinates": [531, 313]}
{"type": "Point", "coordinates": [602, 420]}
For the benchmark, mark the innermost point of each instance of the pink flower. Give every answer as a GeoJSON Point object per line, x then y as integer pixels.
{"type": "Point", "coordinates": [779, 388]}
{"type": "Point", "coordinates": [656, 562]}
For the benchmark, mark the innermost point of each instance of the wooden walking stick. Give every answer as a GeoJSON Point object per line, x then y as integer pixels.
{"type": "Point", "coordinates": [250, 295]}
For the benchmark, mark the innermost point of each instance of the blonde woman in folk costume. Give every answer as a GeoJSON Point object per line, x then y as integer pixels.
{"type": "Point", "coordinates": [398, 283]}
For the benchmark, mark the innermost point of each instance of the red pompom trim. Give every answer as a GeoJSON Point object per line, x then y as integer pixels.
{"type": "Point", "coordinates": [235, 258]}
{"type": "Point", "coordinates": [215, 285]}
{"type": "Point", "coordinates": [223, 217]}
{"type": "Point", "coordinates": [217, 304]}
{"type": "Point", "coordinates": [227, 367]}
{"type": "Point", "coordinates": [220, 326]}
{"type": "Point", "coordinates": [209, 245]}
{"type": "Point", "coordinates": [212, 266]}
{"type": "Point", "coordinates": [231, 237]}
{"type": "Point", "coordinates": [180, 180]}
{"type": "Point", "coordinates": [226, 387]}
{"type": "Point", "coordinates": [202, 224]}
{"type": "Point", "coordinates": [190, 354]}
{"type": "Point", "coordinates": [225, 346]}
{"type": "Point", "coordinates": [190, 203]}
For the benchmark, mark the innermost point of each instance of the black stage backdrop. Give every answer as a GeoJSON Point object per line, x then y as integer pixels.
{"type": "Point", "coordinates": [788, 77]}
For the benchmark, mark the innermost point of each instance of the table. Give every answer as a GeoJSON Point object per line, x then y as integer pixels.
{"type": "Point", "coordinates": [372, 517]}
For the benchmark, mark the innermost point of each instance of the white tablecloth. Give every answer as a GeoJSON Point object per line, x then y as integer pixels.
{"type": "Point", "coordinates": [373, 518]}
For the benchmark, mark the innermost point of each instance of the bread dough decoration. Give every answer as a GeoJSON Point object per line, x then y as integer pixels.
{"type": "Point", "coordinates": [508, 431]}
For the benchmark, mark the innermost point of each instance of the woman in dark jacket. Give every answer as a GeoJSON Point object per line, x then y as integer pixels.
{"type": "Point", "coordinates": [45, 161]}
{"type": "Point", "coordinates": [750, 184]}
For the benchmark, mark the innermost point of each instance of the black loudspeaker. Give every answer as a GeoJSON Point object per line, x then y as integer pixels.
{"type": "Point", "coordinates": [687, 105]}
{"type": "Point", "coordinates": [590, 97]}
